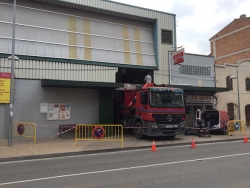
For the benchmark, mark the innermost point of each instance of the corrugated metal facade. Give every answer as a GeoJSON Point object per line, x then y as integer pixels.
{"type": "Point", "coordinates": [75, 37]}
{"type": "Point", "coordinates": [32, 69]}
{"type": "Point", "coordinates": [164, 21]}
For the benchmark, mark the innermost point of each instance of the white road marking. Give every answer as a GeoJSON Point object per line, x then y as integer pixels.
{"type": "Point", "coordinates": [121, 169]}
{"type": "Point", "coordinates": [107, 153]}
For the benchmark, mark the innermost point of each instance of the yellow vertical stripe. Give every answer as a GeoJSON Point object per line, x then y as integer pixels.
{"type": "Point", "coordinates": [87, 39]}
{"type": "Point", "coordinates": [137, 37]}
{"type": "Point", "coordinates": [126, 45]}
{"type": "Point", "coordinates": [72, 37]}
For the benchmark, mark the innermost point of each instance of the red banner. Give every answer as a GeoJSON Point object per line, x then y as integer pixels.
{"type": "Point", "coordinates": [5, 75]}
{"type": "Point", "coordinates": [179, 56]}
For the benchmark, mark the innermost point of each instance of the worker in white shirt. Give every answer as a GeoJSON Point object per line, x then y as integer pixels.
{"type": "Point", "coordinates": [148, 78]}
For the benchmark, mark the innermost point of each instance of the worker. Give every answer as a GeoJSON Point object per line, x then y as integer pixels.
{"type": "Point", "coordinates": [131, 106]}
{"type": "Point", "coordinates": [148, 78]}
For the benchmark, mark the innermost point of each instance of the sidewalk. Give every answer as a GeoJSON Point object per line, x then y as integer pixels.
{"type": "Point", "coordinates": [26, 149]}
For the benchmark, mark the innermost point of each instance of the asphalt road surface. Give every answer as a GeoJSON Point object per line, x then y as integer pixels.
{"type": "Point", "coordinates": [217, 165]}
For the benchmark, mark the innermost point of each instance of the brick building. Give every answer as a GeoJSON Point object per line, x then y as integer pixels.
{"type": "Point", "coordinates": [232, 43]}
{"type": "Point", "coordinates": [231, 50]}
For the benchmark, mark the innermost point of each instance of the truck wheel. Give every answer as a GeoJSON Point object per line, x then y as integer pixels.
{"type": "Point", "coordinates": [138, 130]}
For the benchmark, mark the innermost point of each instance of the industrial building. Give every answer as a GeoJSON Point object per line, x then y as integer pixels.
{"type": "Point", "coordinates": [72, 54]}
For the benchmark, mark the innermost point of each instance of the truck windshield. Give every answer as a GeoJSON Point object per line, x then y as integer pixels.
{"type": "Point", "coordinates": [163, 99]}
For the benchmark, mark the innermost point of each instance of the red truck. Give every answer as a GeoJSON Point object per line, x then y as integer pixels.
{"type": "Point", "coordinates": [151, 110]}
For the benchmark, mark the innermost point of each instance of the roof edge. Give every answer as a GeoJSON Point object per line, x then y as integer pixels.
{"type": "Point", "coordinates": [139, 7]}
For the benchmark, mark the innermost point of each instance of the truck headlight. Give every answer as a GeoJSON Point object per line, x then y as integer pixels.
{"type": "Point", "coordinates": [154, 126]}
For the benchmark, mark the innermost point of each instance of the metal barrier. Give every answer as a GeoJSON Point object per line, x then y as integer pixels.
{"type": "Point", "coordinates": [99, 132]}
{"type": "Point", "coordinates": [235, 125]}
{"type": "Point", "coordinates": [24, 129]}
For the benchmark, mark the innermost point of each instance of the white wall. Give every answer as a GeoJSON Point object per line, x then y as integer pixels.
{"type": "Point", "coordinates": [193, 63]}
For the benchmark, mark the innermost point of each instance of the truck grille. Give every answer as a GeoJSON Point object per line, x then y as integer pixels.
{"type": "Point", "coordinates": [167, 119]}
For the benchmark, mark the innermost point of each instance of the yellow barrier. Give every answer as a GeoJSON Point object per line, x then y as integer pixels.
{"type": "Point", "coordinates": [24, 129]}
{"type": "Point", "coordinates": [99, 132]}
{"type": "Point", "coordinates": [235, 125]}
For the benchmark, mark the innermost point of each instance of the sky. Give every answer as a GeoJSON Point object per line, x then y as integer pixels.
{"type": "Point", "coordinates": [197, 20]}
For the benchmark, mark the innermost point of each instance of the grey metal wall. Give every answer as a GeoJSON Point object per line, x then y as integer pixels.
{"type": "Point", "coordinates": [29, 94]}
{"type": "Point", "coordinates": [197, 70]}
{"type": "Point", "coordinates": [2, 121]}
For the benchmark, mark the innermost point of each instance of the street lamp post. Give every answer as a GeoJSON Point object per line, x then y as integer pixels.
{"type": "Point", "coordinates": [12, 77]}
{"type": "Point", "coordinates": [238, 92]}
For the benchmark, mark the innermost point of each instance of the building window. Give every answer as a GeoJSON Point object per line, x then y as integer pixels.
{"type": "Point", "coordinates": [247, 113]}
{"type": "Point", "coordinates": [166, 37]}
{"type": "Point", "coordinates": [195, 70]}
{"type": "Point", "coordinates": [230, 110]}
{"type": "Point", "coordinates": [229, 83]}
{"type": "Point", "coordinates": [247, 84]}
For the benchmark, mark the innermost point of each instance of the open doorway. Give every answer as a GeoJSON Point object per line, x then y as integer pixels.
{"type": "Point", "coordinates": [191, 115]}
{"type": "Point", "coordinates": [132, 76]}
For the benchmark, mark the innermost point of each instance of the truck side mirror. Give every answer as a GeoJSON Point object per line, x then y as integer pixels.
{"type": "Point", "coordinates": [143, 98]}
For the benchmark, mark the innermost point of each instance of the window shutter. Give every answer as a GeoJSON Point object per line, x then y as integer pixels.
{"type": "Point", "coordinates": [247, 84]}
{"type": "Point", "coordinates": [230, 109]}
{"type": "Point", "coordinates": [229, 83]}
{"type": "Point", "coordinates": [166, 37]}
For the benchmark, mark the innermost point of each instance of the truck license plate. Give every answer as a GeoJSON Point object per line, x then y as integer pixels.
{"type": "Point", "coordinates": [171, 126]}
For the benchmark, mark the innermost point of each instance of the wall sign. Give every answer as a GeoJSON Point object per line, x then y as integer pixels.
{"type": "Point", "coordinates": [43, 108]}
{"type": "Point", "coordinates": [20, 129]}
{"type": "Point", "coordinates": [98, 132]}
{"type": "Point", "coordinates": [199, 99]}
{"type": "Point", "coordinates": [5, 87]}
{"type": "Point", "coordinates": [58, 111]}
{"type": "Point", "coordinates": [179, 56]}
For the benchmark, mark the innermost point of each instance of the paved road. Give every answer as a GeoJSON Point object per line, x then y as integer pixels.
{"type": "Point", "coordinates": [218, 165]}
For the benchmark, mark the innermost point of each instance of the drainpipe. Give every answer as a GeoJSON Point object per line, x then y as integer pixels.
{"type": "Point", "coordinates": [237, 75]}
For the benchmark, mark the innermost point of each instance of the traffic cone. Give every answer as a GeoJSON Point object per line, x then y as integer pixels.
{"type": "Point", "coordinates": [193, 144]}
{"type": "Point", "coordinates": [245, 139]}
{"type": "Point", "coordinates": [153, 146]}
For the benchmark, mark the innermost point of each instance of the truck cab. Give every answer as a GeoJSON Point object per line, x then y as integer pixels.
{"type": "Point", "coordinates": [156, 110]}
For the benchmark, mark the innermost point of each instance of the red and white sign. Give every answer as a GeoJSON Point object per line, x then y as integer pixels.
{"type": "Point", "coordinates": [5, 75]}
{"type": "Point", "coordinates": [179, 56]}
